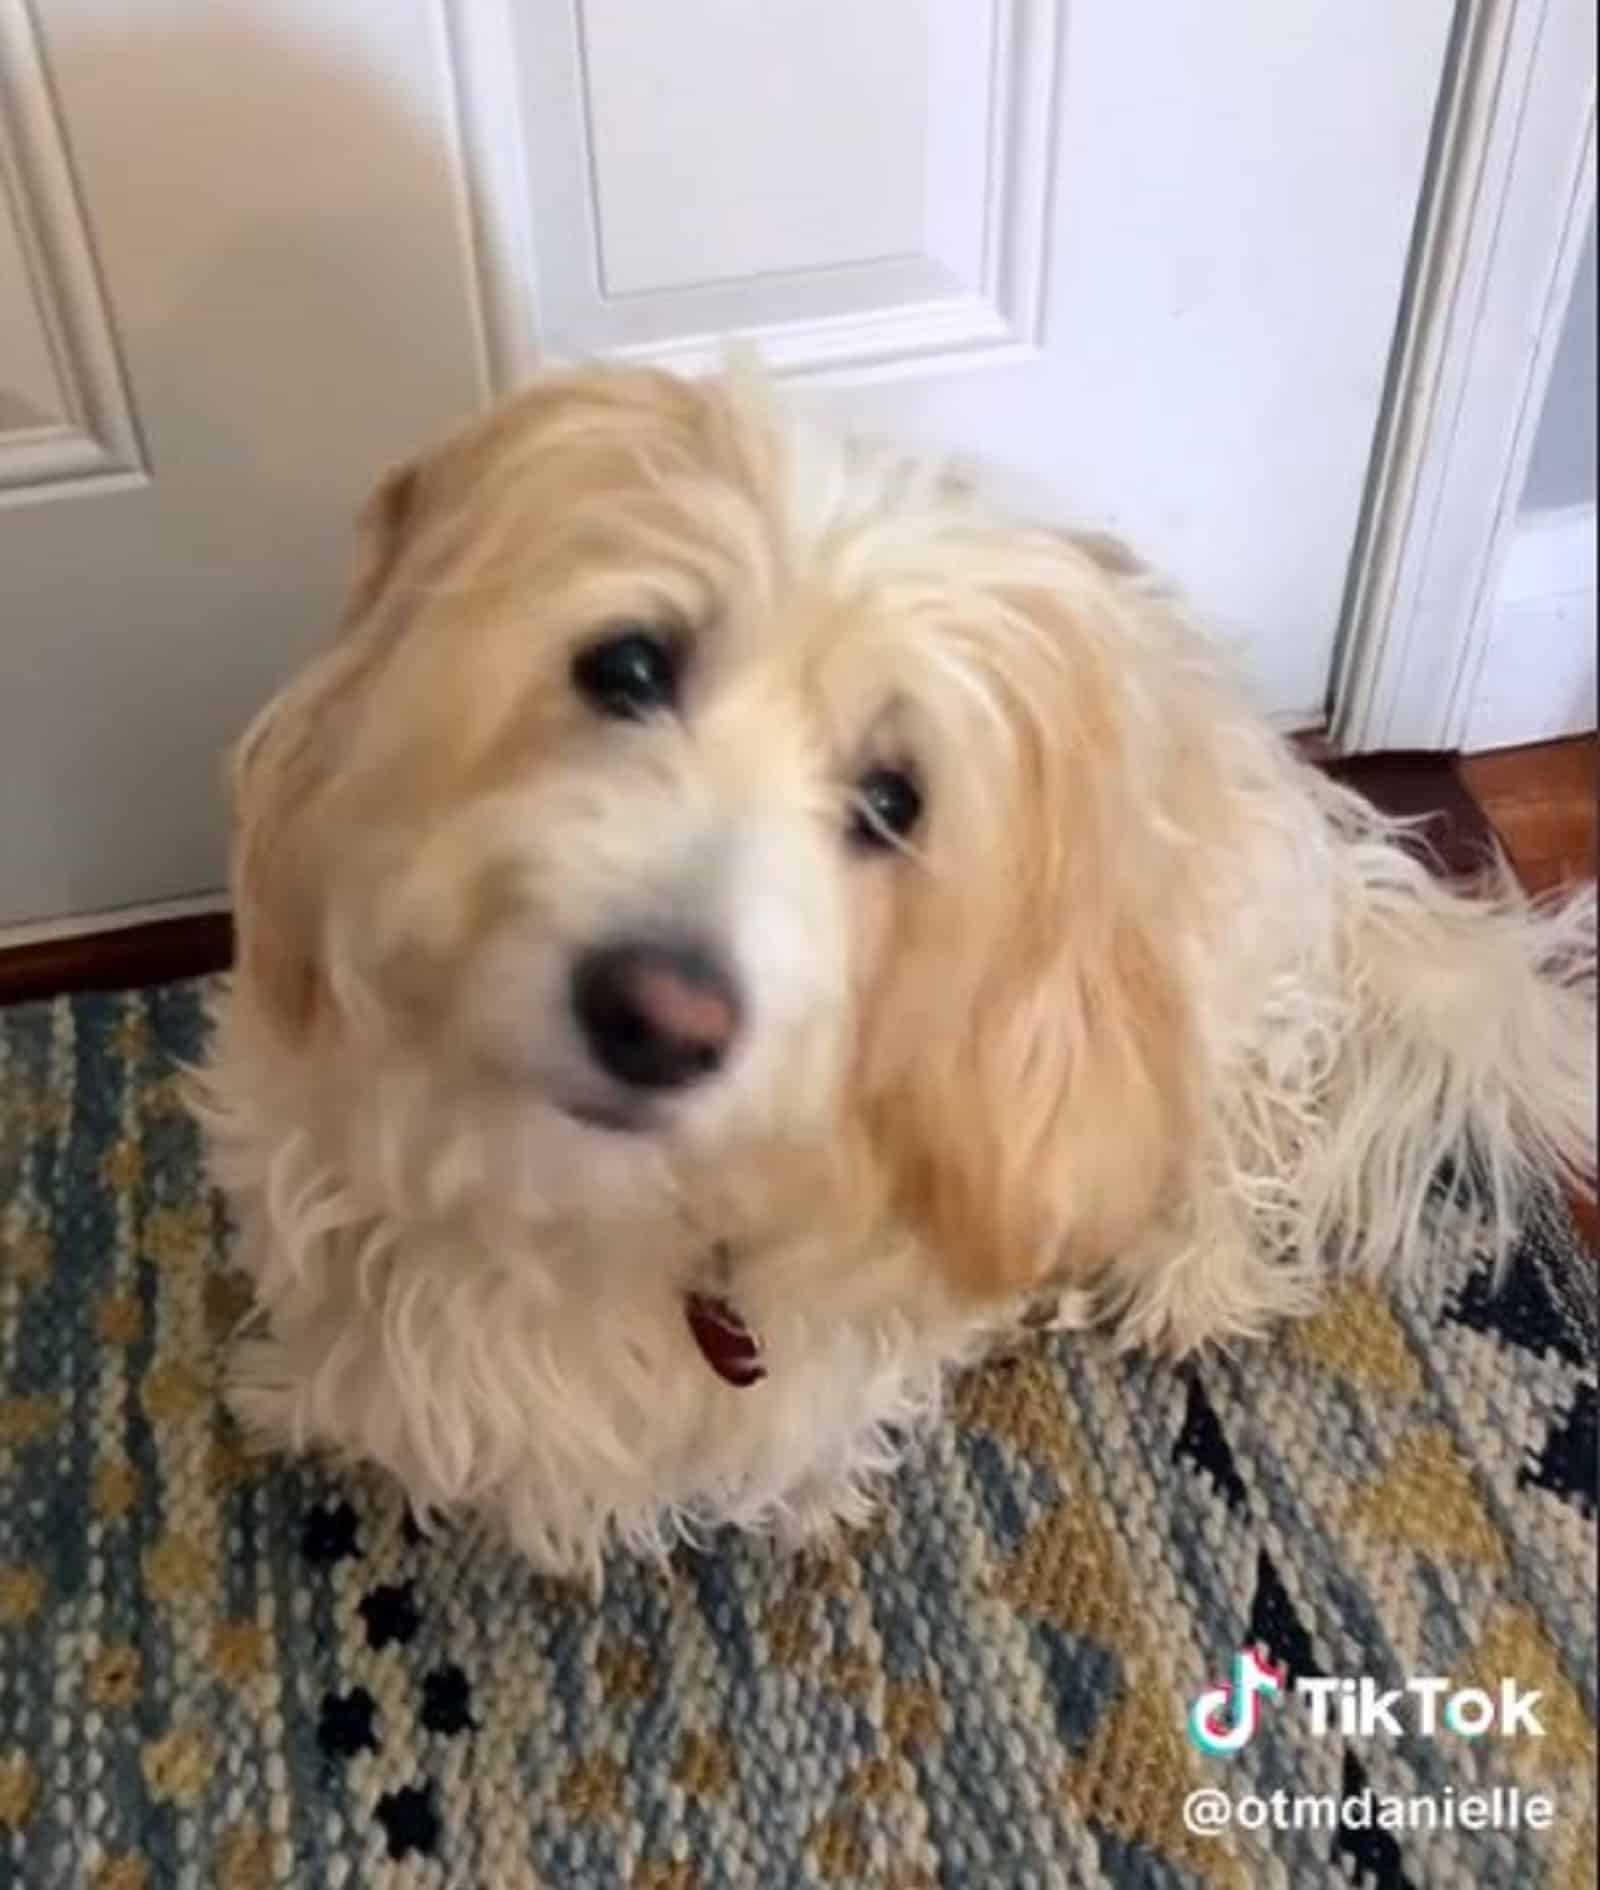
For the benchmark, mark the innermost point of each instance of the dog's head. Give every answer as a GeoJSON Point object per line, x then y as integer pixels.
{"type": "Point", "coordinates": [691, 776]}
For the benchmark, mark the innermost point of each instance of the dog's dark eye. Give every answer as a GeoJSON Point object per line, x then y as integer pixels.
{"type": "Point", "coordinates": [629, 675]}
{"type": "Point", "coordinates": [888, 804]}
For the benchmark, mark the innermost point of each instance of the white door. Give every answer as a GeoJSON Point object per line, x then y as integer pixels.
{"type": "Point", "coordinates": [1143, 259]}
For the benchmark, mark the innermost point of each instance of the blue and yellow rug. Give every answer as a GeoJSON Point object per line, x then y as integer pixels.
{"type": "Point", "coordinates": [223, 1674]}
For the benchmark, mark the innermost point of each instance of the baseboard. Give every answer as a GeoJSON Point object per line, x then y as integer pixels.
{"type": "Point", "coordinates": [116, 956]}
{"type": "Point", "coordinates": [1537, 679]}
{"type": "Point", "coordinates": [111, 919]}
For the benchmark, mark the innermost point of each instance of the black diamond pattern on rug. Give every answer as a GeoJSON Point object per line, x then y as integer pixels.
{"type": "Point", "coordinates": [409, 1820]}
{"type": "Point", "coordinates": [329, 1534]}
{"type": "Point", "coordinates": [1275, 1626]}
{"type": "Point", "coordinates": [345, 1726]}
{"type": "Point", "coordinates": [1517, 1309]}
{"type": "Point", "coordinates": [390, 1613]}
{"type": "Point", "coordinates": [1569, 1464]}
{"type": "Point", "coordinates": [1202, 1443]}
{"type": "Point", "coordinates": [446, 1701]}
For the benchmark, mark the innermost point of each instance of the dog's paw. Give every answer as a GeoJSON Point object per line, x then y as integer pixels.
{"type": "Point", "coordinates": [1064, 1309]}
{"type": "Point", "coordinates": [1206, 1299]}
{"type": "Point", "coordinates": [263, 1392]}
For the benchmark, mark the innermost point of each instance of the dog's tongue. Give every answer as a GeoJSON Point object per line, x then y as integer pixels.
{"type": "Point", "coordinates": [730, 1347]}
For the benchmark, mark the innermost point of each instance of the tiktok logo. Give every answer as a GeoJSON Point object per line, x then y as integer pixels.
{"type": "Point", "coordinates": [1225, 1717]}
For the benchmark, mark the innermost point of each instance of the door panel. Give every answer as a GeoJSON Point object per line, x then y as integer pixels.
{"type": "Point", "coordinates": [277, 237]}
{"type": "Point", "coordinates": [865, 189]}
{"type": "Point", "coordinates": [783, 204]}
{"type": "Point", "coordinates": [65, 416]}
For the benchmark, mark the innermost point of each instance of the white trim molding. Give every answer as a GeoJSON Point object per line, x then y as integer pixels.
{"type": "Point", "coordinates": [95, 443]}
{"type": "Point", "coordinates": [1499, 238]}
{"type": "Point", "coordinates": [112, 919]}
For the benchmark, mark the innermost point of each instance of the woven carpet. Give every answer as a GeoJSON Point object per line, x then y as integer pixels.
{"type": "Point", "coordinates": [221, 1673]}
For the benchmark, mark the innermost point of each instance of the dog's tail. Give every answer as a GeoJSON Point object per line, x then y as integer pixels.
{"type": "Point", "coordinates": [1467, 1057]}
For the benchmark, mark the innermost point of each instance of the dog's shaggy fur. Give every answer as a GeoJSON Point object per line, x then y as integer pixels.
{"type": "Point", "coordinates": [1143, 1012]}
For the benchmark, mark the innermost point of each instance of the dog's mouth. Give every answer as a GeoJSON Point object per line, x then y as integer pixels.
{"type": "Point", "coordinates": [621, 1117]}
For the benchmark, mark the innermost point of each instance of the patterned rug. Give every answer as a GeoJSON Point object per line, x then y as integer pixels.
{"type": "Point", "coordinates": [224, 1674]}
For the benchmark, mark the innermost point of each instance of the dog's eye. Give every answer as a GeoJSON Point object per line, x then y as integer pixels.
{"type": "Point", "coordinates": [629, 675]}
{"type": "Point", "coordinates": [887, 805]}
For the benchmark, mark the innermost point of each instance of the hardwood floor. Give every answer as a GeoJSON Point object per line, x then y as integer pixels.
{"type": "Point", "coordinates": [1541, 802]}
{"type": "Point", "coordinates": [1426, 787]}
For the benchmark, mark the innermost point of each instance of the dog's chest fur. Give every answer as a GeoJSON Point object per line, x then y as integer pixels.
{"type": "Point", "coordinates": [567, 1379]}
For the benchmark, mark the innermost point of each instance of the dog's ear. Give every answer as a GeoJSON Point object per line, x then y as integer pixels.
{"type": "Point", "coordinates": [382, 530]}
{"type": "Point", "coordinates": [281, 769]}
{"type": "Point", "coordinates": [275, 774]}
{"type": "Point", "coordinates": [1032, 1060]}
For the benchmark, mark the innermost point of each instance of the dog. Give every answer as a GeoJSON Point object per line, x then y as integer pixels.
{"type": "Point", "coordinates": [732, 925]}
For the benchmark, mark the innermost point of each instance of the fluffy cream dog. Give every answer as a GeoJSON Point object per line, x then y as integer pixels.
{"type": "Point", "coordinates": [731, 921]}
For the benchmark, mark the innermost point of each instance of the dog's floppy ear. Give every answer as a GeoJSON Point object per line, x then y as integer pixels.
{"type": "Point", "coordinates": [1031, 1064]}
{"type": "Point", "coordinates": [281, 768]}
{"type": "Point", "coordinates": [382, 529]}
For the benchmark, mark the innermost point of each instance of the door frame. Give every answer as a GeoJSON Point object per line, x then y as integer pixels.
{"type": "Point", "coordinates": [1500, 229]}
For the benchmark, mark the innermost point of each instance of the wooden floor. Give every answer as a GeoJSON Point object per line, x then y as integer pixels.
{"type": "Point", "coordinates": [1541, 802]}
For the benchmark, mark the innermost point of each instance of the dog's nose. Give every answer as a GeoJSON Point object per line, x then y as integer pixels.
{"type": "Point", "coordinates": [655, 1016]}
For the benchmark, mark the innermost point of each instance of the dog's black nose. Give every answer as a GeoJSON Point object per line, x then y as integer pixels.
{"type": "Point", "coordinates": [655, 1016]}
